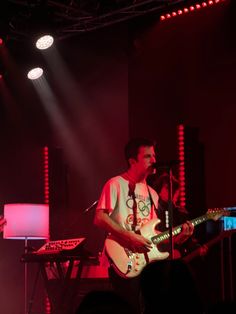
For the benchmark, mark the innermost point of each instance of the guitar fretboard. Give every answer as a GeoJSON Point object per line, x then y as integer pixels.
{"type": "Point", "coordinates": [196, 221]}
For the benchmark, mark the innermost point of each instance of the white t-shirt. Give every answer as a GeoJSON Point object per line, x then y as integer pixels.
{"type": "Point", "coordinates": [117, 200]}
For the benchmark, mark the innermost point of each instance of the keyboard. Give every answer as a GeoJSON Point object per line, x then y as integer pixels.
{"type": "Point", "coordinates": [59, 246]}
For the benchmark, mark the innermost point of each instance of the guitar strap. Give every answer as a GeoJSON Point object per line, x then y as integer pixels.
{"type": "Point", "coordinates": [132, 194]}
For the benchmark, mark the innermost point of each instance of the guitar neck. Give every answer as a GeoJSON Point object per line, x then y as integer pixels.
{"type": "Point", "coordinates": [166, 234]}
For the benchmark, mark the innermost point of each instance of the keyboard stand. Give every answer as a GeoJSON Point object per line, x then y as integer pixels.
{"type": "Point", "coordinates": [61, 276]}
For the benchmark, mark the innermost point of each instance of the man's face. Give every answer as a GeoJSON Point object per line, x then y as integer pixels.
{"type": "Point", "coordinates": [145, 159]}
{"type": "Point", "coordinates": [176, 197]}
{"type": "Point", "coordinates": [164, 193]}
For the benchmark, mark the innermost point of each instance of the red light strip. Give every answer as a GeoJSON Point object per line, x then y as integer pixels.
{"type": "Point", "coordinates": [46, 200]}
{"type": "Point", "coordinates": [46, 175]}
{"type": "Point", "coordinates": [181, 157]}
{"type": "Point", "coordinates": [192, 8]}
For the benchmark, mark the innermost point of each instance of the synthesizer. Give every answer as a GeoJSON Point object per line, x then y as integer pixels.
{"type": "Point", "coordinates": [60, 246]}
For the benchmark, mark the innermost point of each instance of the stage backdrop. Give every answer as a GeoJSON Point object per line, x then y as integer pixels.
{"type": "Point", "coordinates": [99, 89]}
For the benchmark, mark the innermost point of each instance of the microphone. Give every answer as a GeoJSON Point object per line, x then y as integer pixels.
{"type": "Point", "coordinates": [90, 207]}
{"type": "Point", "coordinates": [165, 164]}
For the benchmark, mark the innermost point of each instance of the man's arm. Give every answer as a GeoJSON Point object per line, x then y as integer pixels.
{"type": "Point", "coordinates": [134, 241]}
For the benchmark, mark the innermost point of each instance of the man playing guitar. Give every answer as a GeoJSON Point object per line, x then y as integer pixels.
{"type": "Point", "coordinates": [127, 203]}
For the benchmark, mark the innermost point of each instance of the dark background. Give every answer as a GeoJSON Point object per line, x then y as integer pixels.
{"type": "Point", "coordinates": [140, 78]}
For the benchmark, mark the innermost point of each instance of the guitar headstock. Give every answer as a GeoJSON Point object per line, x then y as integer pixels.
{"type": "Point", "coordinates": [217, 213]}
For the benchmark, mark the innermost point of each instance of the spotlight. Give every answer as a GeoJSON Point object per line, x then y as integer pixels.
{"type": "Point", "coordinates": [1, 41]}
{"type": "Point", "coordinates": [35, 73]}
{"type": "Point", "coordinates": [44, 42]}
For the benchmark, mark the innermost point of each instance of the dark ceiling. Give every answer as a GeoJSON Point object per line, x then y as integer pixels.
{"type": "Point", "coordinates": [19, 18]}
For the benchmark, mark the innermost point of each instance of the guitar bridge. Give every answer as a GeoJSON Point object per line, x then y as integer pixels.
{"type": "Point", "coordinates": [129, 267]}
{"type": "Point", "coordinates": [130, 254]}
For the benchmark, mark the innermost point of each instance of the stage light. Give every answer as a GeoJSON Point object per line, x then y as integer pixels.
{"type": "Point", "coordinates": [1, 41]}
{"type": "Point", "coordinates": [44, 42]}
{"type": "Point", "coordinates": [35, 73]}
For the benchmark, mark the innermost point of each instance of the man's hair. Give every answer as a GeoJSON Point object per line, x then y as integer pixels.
{"type": "Point", "coordinates": [164, 180]}
{"type": "Point", "coordinates": [132, 147]}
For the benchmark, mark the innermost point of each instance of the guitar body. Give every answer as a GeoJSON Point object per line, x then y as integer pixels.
{"type": "Point", "coordinates": [129, 264]}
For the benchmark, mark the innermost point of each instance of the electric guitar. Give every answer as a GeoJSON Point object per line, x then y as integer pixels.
{"type": "Point", "coordinates": [129, 264]}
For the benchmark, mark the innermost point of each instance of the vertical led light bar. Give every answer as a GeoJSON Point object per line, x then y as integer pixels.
{"type": "Point", "coordinates": [46, 175]}
{"type": "Point", "coordinates": [46, 201]}
{"type": "Point", "coordinates": [181, 157]}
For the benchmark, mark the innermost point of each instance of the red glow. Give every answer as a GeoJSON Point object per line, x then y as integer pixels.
{"type": "Point", "coordinates": [180, 12]}
{"type": "Point", "coordinates": [1, 41]}
{"type": "Point", "coordinates": [168, 16]}
{"type": "Point", "coordinates": [174, 13]}
{"type": "Point", "coordinates": [162, 17]}
{"type": "Point", "coordinates": [210, 2]}
{"type": "Point", "coordinates": [192, 8]}
{"type": "Point", "coordinates": [204, 4]}
{"type": "Point", "coordinates": [185, 10]}
{"type": "Point", "coordinates": [198, 6]}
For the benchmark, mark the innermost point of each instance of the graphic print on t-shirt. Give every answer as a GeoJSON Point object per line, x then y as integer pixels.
{"type": "Point", "coordinates": [143, 210]}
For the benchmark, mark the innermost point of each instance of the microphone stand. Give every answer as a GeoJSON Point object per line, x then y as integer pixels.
{"type": "Point", "coordinates": [170, 211]}
{"type": "Point", "coordinates": [168, 169]}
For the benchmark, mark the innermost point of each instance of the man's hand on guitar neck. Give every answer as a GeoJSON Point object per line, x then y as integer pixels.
{"type": "Point", "coordinates": [185, 234]}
